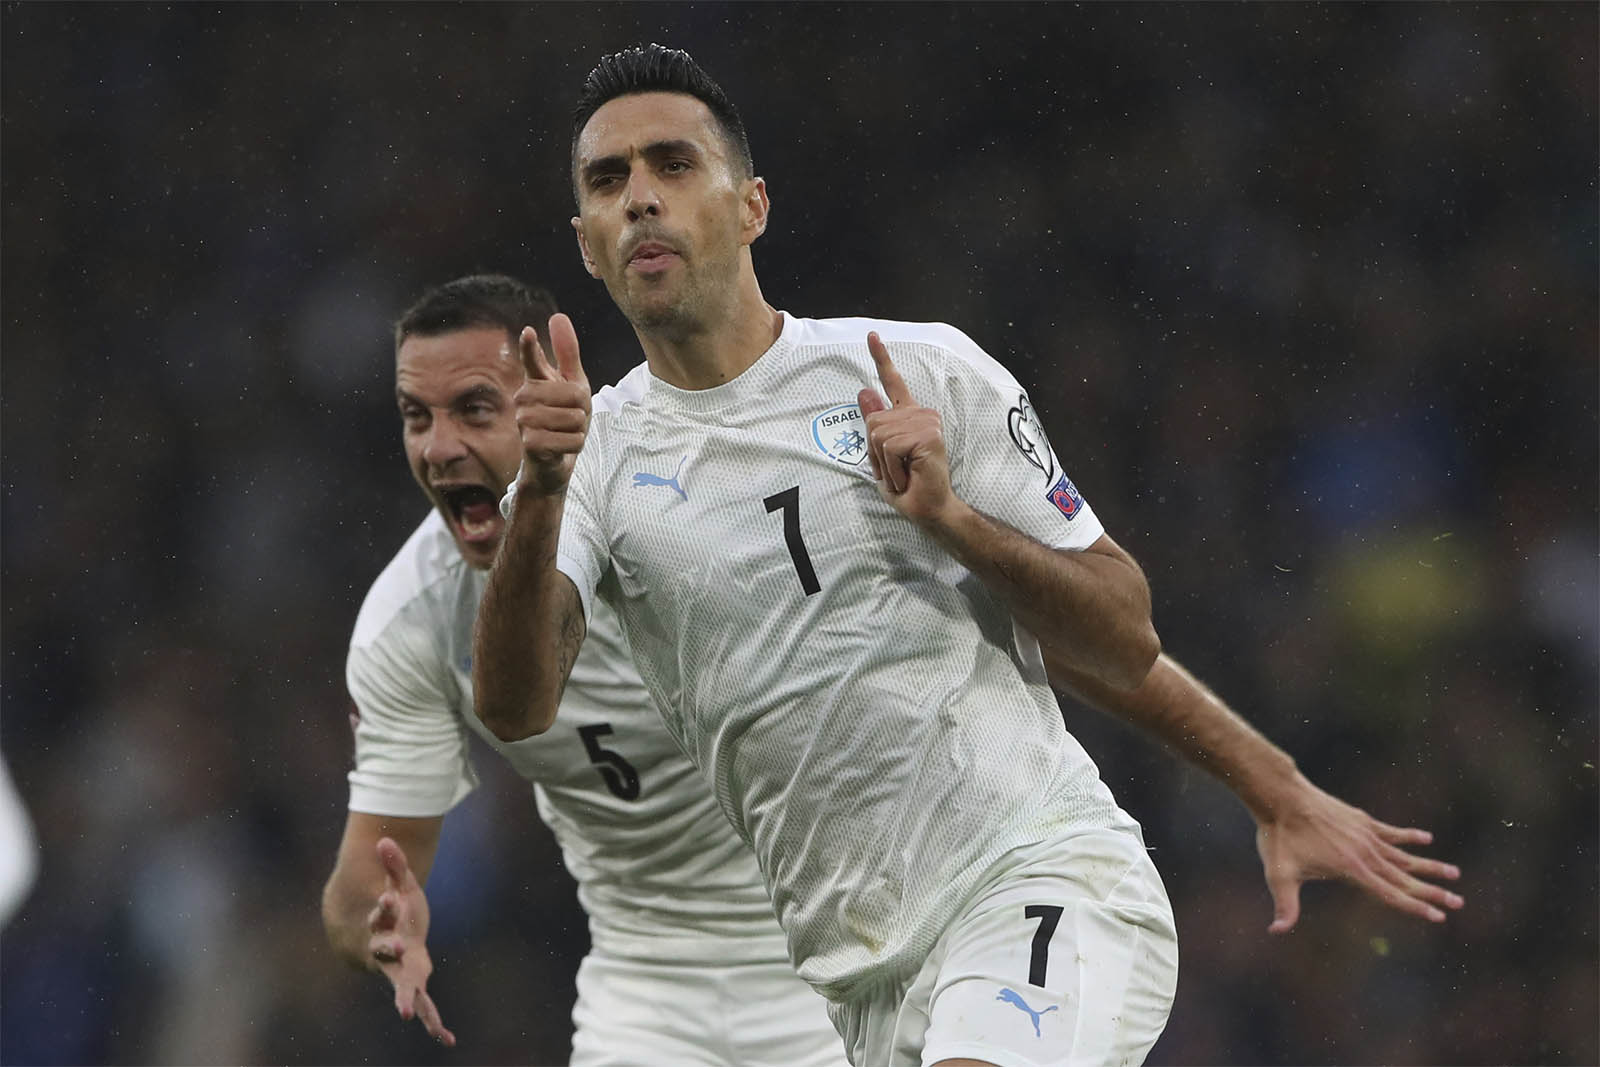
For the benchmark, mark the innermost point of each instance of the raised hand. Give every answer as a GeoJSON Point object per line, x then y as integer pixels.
{"type": "Point", "coordinates": [552, 408]}
{"type": "Point", "coordinates": [1320, 836]}
{"type": "Point", "coordinates": [905, 443]}
{"type": "Point", "coordinates": [398, 926]}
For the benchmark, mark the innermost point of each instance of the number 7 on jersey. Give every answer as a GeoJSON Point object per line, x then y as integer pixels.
{"type": "Point", "coordinates": [789, 502]}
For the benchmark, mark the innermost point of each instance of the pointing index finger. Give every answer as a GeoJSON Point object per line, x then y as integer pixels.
{"type": "Point", "coordinates": [893, 384]}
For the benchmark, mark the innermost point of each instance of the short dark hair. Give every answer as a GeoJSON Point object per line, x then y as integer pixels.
{"type": "Point", "coordinates": [493, 300]}
{"type": "Point", "coordinates": [654, 68]}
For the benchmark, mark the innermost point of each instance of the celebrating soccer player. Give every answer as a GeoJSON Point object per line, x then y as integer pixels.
{"type": "Point", "coordinates": [849, 564]}
{"type": "Point", "coordinates": [687, 964]}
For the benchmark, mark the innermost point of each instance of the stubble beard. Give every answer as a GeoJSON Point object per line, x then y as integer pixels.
{"type": "Point", "coordinates": [704, 298]}
{"type": "Point", "coordinates": [674, 317]}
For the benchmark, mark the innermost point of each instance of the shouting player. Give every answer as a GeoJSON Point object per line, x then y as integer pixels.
{"type": "Point", "coordinates": [687, 964]}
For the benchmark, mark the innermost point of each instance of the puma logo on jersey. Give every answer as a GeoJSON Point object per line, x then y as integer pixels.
{"type": "Point", "coordinates": [672, 483]}
{"type": "Point", "coordinates": [1011, 996]}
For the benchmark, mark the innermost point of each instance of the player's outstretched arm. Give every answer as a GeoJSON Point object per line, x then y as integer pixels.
{"type": "Point", "coordinates": [1091, 607]}
{"type": "Point", "coordinates": [1302, 832]}
{"type": "Point", "coordinates": [530, 622]}
{"type": "Point", "coordinates": [376, 914]}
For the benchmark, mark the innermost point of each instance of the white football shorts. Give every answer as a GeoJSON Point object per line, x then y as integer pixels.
{"type": "Point", "coordinates": [636, 1014]}
{"type": "Point", "coordinates": [1067, 958]}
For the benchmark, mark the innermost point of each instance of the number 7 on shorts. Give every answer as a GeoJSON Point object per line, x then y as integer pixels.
{"type": "Point", "coordinates": [1048, 915]}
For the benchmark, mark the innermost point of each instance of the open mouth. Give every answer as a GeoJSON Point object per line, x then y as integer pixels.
{"type": "Point", "coordinates": [475, 510]}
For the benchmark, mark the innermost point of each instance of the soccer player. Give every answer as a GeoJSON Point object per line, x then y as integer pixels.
{"type": "Point", "coordinates": [688, 965]}
{"type": "Point", "coordinates": [850, 609]}
{"type": "Point", "coordinates": [19, 850]}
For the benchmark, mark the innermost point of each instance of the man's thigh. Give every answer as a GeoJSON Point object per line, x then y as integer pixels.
{"type": "Point", "coordinates": [751, 1015]}
{"type": "Point", "coordinates": [1067, 962]}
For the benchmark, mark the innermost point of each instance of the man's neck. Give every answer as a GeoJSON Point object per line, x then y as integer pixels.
{"type": "Point", "coordinates": [724, 349]}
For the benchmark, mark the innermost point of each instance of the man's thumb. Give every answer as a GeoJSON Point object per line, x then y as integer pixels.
{"type": "Point", "coordinates": [564, 339]}
{"type": "Point", "coordinates": [1285, 905]}
{"type": "Point", "coordinates": [393, 858]}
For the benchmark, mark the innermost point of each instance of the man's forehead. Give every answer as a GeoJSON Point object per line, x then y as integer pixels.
{"type": "Point", "coordinates": [626, 124]}
{"type": "Point", "coordinates": [459, 354]}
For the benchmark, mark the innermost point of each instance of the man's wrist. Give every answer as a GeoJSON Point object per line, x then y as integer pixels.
{"type": "Point", "coordinates": [533, 488]}
{"type": "Point", "coordinates": [956, 525]}
{"type": "Point", "coordinates": [1272, 790]}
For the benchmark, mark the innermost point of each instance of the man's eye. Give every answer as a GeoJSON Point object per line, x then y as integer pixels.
{"type": "Point", "coordinates": [676, 166]}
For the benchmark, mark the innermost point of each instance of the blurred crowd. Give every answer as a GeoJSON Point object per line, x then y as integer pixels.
{"type": "Point", "coordinates": [1305, 295]}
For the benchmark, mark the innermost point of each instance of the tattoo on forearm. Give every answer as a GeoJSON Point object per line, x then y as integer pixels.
{"type": "Point", "coordinates": [571, 637]}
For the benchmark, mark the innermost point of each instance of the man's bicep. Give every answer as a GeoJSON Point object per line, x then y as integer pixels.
{"type": "Point", "coordinates": [1104, 545]}
{"type": "Point", "coordinates": [1001, 461]}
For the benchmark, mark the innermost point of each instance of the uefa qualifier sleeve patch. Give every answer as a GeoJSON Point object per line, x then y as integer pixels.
{"type": "Point", "coordinates": [1022, 423]}
{"type": "Point", "coordinates": [1065, 496]}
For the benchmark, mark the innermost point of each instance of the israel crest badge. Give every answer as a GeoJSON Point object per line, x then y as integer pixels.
{"type": "Point", "coordinates": [841, 434]}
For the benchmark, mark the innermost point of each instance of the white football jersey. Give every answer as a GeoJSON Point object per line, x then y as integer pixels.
{"type": "Point", "coordinates": [870, 717]}
{"type": "Point", "coordinates": [659, 872]}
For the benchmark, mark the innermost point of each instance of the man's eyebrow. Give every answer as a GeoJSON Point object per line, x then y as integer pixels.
{"type": "Point", "coordinates": [676, 147]}
{"type": "Point", "coordinates": [476, 393]}
{"type": "Point", "coordinates": [466, 396]}
{"type": "Point", "coordinates": [655, 150]}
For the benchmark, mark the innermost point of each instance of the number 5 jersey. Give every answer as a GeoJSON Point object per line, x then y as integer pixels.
{"type": "Point", "coordinates": [660, 873]}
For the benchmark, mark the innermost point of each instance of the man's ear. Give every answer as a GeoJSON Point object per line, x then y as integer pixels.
{"type": "Point", "coordinates": [754, 209]}
{"type": "Point", "coordinates": [583, 248]}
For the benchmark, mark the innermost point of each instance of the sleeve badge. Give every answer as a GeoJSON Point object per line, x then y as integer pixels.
{"type": "Point", "coordinates": [1065, 496]}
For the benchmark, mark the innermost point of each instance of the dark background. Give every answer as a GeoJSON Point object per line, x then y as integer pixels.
{"type": "Point", "coordinates": [1306, 296]}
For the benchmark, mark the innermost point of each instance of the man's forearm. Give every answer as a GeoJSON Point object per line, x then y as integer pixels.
{"type": "Point", "coordinates": [1176, 707]}
{"type": "Point", "coordinates": [352, 890]}
{"type": "Point", "coordinates": [1090, 610]}
{"type": "Point", "coordinates": [344, 919]}
{"type": "Point", "coordinates": [530, 625]}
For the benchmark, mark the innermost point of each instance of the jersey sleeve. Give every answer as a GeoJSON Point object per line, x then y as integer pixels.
{"type": "Point", "coordinates": [1001, 461]}
{"type": "Point", "coordinates": [581, 553]}
{"type": "Point", "coordinates": [411, 744]}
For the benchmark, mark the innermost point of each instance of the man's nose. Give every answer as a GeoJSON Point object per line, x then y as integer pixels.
{"type": "Point", "coordinates": [443, 444]}
{"type": "Point", "coordinates": [643, 197]}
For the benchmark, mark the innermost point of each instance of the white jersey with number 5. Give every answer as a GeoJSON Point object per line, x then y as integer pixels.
{"type": "Point", "coordinates": [660, 874]}
{"type": "Point", "coordinates": [871, 719]}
